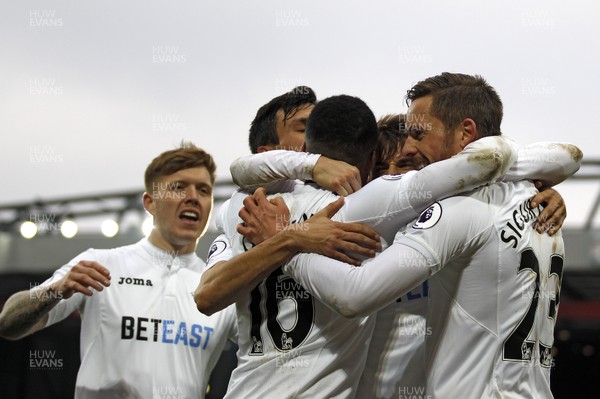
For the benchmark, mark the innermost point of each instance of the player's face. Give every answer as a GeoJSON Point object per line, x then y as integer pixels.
{"type": "Point", "coordinates": [427, 140]}
{"type": "Point", "coordinates": [180, 204]}
{"type": "Point", "coordinates": [396, 165]}
{"type": "Point", "coordinates": [400, 167]}
{"type": "Point", "coordinates": [291, 131]}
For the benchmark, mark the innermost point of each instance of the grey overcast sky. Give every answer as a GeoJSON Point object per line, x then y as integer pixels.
{"type": "Point", "coordinates": [91, 91]}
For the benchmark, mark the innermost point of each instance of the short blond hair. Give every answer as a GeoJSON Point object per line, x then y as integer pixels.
{"type": "Point", "coordinates": [186, 156]}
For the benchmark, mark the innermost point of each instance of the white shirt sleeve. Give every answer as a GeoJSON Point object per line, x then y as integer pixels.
{"type": "Point", "coordinates": [551, 163]}
{"type": "Point", "coordinates": [220, 251]}
{"type": "Point", "coordinates": [227, 218]}
{"type": "Point", "coordinates": [67, 306]}
{"type": "Point", "coordinates": [253, 171]}
{"type": "Point", "coordinates": [358, 291]}
{"type": "Point", "coordinates": [389, 202]}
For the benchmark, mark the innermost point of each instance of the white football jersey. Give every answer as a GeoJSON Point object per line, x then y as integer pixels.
{"type": "Point", "coordinates": [143, 337]}
{"type": "Point", "coordinates": [396, 355]}
{"type": "Point", "coordinates": [493, 303]}
{"type": "Point", "coordinates": [400, 199]}
{"type": "Point", "coordinates": [290, 345]}
{"type": "Point", "coordinates": [493, 292]}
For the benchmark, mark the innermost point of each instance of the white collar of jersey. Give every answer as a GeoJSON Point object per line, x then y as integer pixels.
{"type": "Point", "coordinates": [169, 259]}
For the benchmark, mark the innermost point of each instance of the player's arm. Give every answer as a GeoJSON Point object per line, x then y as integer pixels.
{"type": "Point", "coordinates": [388, 203]}
{"type": "Point", "coordinates": [262, 169]}
{"type": "Point", "coordinates": [491, 159]}
{"type": "Point", "coordinates": [550, 163]}
{"type": "Point", "coordinates": [400, 198]}
{"type": "Point", "coordinates": [484, 161]}
{"type": "Point", "coordinates": [27, 311]}
{"type": "Point", "coordinates": [359, 291]}
{"type": "Point", "coordinates": [22, 315]}
{"type": "Point", "coordinates": [226, 281]}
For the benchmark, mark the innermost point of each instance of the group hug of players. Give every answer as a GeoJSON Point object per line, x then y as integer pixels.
{"type": "Point", "coordinates": [418, 256]}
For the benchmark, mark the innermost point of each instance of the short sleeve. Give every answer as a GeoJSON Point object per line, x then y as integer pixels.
{"type": "Point", "coordinates": [75, 303]}
{"type": "Point", "coordinates": [220, 251]}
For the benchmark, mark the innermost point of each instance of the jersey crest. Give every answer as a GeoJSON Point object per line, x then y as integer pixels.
{"type": "Point", "coordinates": [216, 248]}
{"type": "Point", "coordinates": [429, 217]}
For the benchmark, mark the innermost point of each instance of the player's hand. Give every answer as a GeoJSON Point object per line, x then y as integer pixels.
{"type": "Point", "coordinates": [337, 176]}
{"type": "Point", "coordinates": [346, 242]}
{"type": "Point", "coordinates": [554, 213]}
{"type": "Point", "coordinates": [262, 218]}
{"type": "Point", "coordinates": [83, 276]}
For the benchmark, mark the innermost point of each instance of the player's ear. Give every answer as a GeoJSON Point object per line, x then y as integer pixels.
{"type": "Point", "coordinates": [469, 132]}
{"type": "Point", "coordinates": [149, 203]}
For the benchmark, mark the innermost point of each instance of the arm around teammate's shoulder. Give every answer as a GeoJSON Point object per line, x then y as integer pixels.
{"type": "Point", "coordinates": [251, 171]}
{"type": "Point", "coordinates": [231, 277]}
{"type": "Point", "coordinates": [227, 280]}
{"type": "Point", "coordinates": [551, 163]}
{"type": "Point", "coordinates": [360, 291]}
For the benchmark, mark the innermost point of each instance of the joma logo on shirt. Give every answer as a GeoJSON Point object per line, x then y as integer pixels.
{"type": "Point", "coordinates": [135, 281]}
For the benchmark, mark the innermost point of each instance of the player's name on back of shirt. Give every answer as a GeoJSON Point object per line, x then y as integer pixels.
{"type": "Point", "coordinates": [521, 216]}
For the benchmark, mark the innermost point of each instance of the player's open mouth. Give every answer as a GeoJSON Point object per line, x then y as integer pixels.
{"type": "Point", "coordinates": [189, 215]}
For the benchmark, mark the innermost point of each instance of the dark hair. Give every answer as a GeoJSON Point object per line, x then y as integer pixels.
{"type": "Point", "coordinates": [185, 157]}
{"type": "Point", "coordinates": [392, 135]}
{"type": "Point", "coordinates": [391, 138]}
{"type": "Point", "coordinates": [342, 128]}
{"type": "Point", "coordinates": [263, 130]}
{"type": "Point", "coordinates": [457, 96]}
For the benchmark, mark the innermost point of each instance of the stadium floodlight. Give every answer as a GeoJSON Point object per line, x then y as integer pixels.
{"type": "Point", "coordinates": [68, 228]}
{"type": "Point", "coordinates": [28, 229]}
{"type": "Point", "coordinates": [109, 228]}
